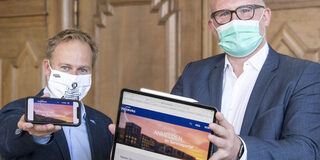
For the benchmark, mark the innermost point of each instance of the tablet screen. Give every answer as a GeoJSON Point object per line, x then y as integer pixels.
{"type": "Point", "coordinates": [156, 128]}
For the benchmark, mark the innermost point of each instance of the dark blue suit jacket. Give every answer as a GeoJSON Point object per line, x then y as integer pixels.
{"type": "Point", "coordinates": [282, 119]}
{"type": "Point", "coordinates": [21, 145]}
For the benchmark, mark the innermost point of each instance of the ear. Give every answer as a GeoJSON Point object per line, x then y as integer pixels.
{"type": "Point", "coordinates": [267, 16]}
{"type": "Point", "coordinates": [46, 68]}
{"type": "Point", "coordinates": [212, 28]}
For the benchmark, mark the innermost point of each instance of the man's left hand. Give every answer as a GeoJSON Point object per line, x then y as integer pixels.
{"type": "Point", "coordinates": [112, 128]}
{"type": "Point", "coordinates": [224, 138]}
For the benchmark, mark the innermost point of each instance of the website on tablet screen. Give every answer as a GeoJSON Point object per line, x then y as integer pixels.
{"type": "Point", "coordinates": [156, 129]}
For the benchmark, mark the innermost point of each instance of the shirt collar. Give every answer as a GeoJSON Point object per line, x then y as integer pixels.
{"type": "Point", "coordinates": [259, 58]}
{"type": "Point", "coordinates": [256, 60]}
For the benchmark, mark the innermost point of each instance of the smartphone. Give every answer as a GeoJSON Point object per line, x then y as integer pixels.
{"type": "Point", "coordinates": [64, 112]}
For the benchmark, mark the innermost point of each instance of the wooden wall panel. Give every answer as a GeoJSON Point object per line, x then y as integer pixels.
{"type": "Point", "coordinates": [297, 36]}
{"type": "Point", "coordinates": [191, 31]}
{"type": "Point", "coordinates": [132, 54]}
{"type": "Point", "coordinates": [18, 8]}
{"type": "Point", "coordinates": [23, 33]}
{"type": "Point", "coordinates": [14, 40]}
{"type": "Point", "coordinates": [21, 75]}
{"type": "Point", "coordinates": [142, 44]}
{"type": "Point", "coordinates": [6, 82]}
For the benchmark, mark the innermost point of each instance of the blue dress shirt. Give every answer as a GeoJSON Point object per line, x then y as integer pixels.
{"type": "Point", "coordinates": [77, 137]}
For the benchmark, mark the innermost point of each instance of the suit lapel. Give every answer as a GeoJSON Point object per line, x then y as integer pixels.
{"type": "Point", "coordinates": [60, 139]}
{"type": "Point", "coordinates": [262, 84]}
{"type": "Point", "coordinates": [215, 84]}
{"type": "Point", "coordinates": [91, 128]}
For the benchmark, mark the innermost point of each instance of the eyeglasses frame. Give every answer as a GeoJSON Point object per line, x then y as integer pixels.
{"type": "Point", "coordinates": [254, 7]}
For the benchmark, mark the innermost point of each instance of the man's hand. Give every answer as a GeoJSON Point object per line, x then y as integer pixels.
{"type": "Point", "coordinates": [112, 128]}
{"type": "Point", "coordinates": [37, 129]}
{"type": "Point", "coordinates": [225, 139]}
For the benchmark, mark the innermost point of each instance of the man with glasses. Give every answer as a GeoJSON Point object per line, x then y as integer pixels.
{"type": "Point", "coordinates": [269, 103]}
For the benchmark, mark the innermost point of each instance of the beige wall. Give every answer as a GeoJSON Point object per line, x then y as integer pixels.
{"type": "Point", "coordinates": [143, 43]}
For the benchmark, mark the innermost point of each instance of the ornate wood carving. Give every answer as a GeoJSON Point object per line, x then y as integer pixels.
{"type": "Point", "coordinates": [28, 51]}
{"type": "Point", "coordinates": [156, 4]}
{"type": "Point", "coordinates": [287, 37]}
{"type": "Point", "coordinates": [104, 8]}
{"type": "Point", "coordinates": [20, 76]}
{"type": "Point", "coordinates": [166, 8]}
{"type": "Point", "coordinates": [20, 23]}
{"type": "Point", "coordinates": [291, 4]}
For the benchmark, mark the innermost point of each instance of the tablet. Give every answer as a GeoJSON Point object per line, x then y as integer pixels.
{"type": "Point", "coordinates": [153, 127]}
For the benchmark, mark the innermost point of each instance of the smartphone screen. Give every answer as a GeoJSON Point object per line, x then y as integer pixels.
{"type": "Point", "coordinates": [53, 111]}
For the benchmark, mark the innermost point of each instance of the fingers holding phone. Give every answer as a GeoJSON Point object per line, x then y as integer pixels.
{"type": "Point", "coordinates": [44, 115]}
{"type": "Point", "coordinates": [40, 130]}
{"type": "Point", "coordinates": [44, 110]}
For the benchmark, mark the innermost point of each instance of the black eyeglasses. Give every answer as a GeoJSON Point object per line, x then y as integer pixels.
{"type": "Point", "coordinates": [245, 12]}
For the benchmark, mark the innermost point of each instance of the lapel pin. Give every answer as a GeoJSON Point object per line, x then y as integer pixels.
{"type": "Point", "coordinates": [92, 121]}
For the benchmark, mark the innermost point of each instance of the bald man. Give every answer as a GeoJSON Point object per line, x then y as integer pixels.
{"type": "Point", "coordinates": [269, 103]}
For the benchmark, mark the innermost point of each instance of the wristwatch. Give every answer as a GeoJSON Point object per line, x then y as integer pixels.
{"type": "Point", "coordinates": [241, 150]}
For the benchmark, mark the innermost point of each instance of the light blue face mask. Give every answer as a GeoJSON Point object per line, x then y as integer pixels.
{"type": "Point", "coordinates": [239, 38]}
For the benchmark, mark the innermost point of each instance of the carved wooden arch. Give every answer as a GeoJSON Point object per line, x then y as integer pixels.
{"type": "Point", "coordinates": [286, 36]}
{"type": "Point", "coordinates": [28, 51]}
{"type": "Point", "coordinates": [17, 73]}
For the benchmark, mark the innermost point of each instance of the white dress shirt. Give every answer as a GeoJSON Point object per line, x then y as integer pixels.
{"type": "Point", "coordinates": [236, 91]}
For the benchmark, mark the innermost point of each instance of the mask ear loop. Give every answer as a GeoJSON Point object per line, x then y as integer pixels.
{"type": "Point", "coordinates": [49, 65]}
{"type": "Point", "coordinates": [210, 23]}
{"type": "Point", "coordinates": [264, 32]}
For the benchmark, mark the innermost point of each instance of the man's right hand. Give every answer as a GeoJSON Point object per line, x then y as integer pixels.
{"type": "Point", "coordinates": [40, 130]}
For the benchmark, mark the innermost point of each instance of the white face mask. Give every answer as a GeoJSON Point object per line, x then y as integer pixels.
{"type": "Point", "coordinates": [68, 86]}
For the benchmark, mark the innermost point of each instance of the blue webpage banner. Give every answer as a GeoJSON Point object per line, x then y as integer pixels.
{"type": "Point", "coordinates": [50, 101]}
{"type": "Point", "coordinates": [166, 118]}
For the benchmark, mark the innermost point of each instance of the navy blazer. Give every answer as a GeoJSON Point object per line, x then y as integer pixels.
{"type": "Point", "coordinates": [282, 119]}
{"type": "Point", "coordinates": [15, 145]}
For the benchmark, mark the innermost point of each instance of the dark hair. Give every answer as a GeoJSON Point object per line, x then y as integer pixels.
{"type": "Point", "coordinates": [69, 35]}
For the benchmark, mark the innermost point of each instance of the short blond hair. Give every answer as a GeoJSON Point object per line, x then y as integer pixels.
{"type": "Point", "coordinates": [69, 35]}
